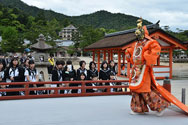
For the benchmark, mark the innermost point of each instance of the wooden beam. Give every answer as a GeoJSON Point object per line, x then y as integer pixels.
{"type": "Point", "coordinates": [162, 72]}
{"type": "Point", "coordinates": [128, 69]}
{"type": "Point", "coordinates": [111, 54]}
{"type": "Point", "coordinates": [123, 58]}
{"type": "Point", "coordinates": [170, 61]}
{"type": "Point", "coordinates": [98, 49]}
{"type": "Point", "coordinates": [104, 55]}
{"type": "Point", "coordinates": [129, 45]}
{"type": "Point", "coordinates": [108, 56]}
{"type": "Point", "coordinates": [158, 61]}
{"type": "Point", "coordinates": [169, 39]}
{"type": "Point", "coordinates": [161, 66]}
{"type": "Point", "coordinates": [164, 51]}
{"type": "Point", "coordinates": [119, 62]}
{"type": "Point", "coordinates": [98, 62]}
{"type": "Point", "coordinates": [165, 47]}
{"type": "Point", "coordinates": [93, 55]}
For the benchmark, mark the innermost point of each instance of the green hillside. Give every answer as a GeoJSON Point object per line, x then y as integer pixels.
{"type": "Point", "coordinates": [18, 21]}
{"type": "Point", "coordinates": [98, 19]}
{"type": "Point", "coordinates": [31, 10]}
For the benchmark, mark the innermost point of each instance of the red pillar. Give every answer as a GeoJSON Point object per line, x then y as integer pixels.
{"type": "Point", "coordinates": [170, 61]}
{"type": "Point", "coordinates": [111, 54]}
{"type": "Point", "coordinates": [108, 56]}
{"type": "Point", "coordinates": [128, 69]}
{"type": "Point", "coordinates": [123, 58]}
{"type": "Point", "coordinates": [119, 62]}
{"type": "Point", "coordinates": [104, 55]}
{"type": "Point", "coordinates": [98, 62]}
{"type": "Point", "coordinates": [93, 55]}
{"type": "Point", "coordinates": [158, 61]}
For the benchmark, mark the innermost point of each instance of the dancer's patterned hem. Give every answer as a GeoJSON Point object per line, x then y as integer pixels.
{"type": "Point", "coordinates": [153, 99]}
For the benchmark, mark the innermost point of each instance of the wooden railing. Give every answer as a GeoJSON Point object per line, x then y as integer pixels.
{"type": "Point", "coordinates": [26, 89]}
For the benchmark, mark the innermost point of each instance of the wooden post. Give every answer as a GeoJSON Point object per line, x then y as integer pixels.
{"type": "Point", "coordinates": [128, 69]}
{"type": "Point", "coordinates": [104, 55]}
{"type": "Point", "coordinates": [83, 88]}
{"type": "Point", "coordinates": [56, 91]}
{"type": "Point", "coordinates": [158, 61]}
{"type": "Point", "coordinates": [119, 62]}
{"type": "Point", "coordinates": [98, 62]}
{"type": "Point", "coordinates": [170, 61]}
{"type": "Point", "coordinates": [94, 55]}
{"type": "Point", "coordinates": [27, 89]}
{"type": "Point", "coordinates": [111, 54]}
{"type": "Point", "coordinates": [108, 56]}
{"type": "Point", "coordinates": [123, 58]}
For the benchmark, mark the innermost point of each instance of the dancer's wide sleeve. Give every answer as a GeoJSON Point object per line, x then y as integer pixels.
{"type": "Point", "coordinates": [152, 53]}
{"type": "Point", "coordinates": [129, 54]}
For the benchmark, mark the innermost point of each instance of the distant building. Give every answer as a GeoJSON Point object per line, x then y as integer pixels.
{"type": "Point", "coordinates": [67, 32]}
{"type": "Point", "coordinates": [63, 43]}
{"type": "Point", "coordinates": [66, 40]}
{"type": "Point", "coordinates": [62, 47]}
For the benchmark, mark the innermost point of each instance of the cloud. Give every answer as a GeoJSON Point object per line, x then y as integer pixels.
{"type": "Point", "coordinates": [174, 19]}
{"type": "Point", "coordinates": [171, 12]}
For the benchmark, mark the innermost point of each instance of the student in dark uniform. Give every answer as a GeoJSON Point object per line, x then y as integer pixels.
{"type": "Point", "coordinates": [104, 73]}
{"type": "Point", "coordinates": [26, 66]}
{"type": "Point", "coordinates": [26, 63]}
{"type": "Point", "coordinates": [92, 70]}
{"type": "Point", "coordinates": [2, 58]}
{"type": "Point", "coordinates": [93, 78]}
{"type": "Point", "coordinates": [69, 74]}
{"type": "Point", "coordinates": [69, 71]}
{"type": "Point", "coordinates": [32, 75]}
{"type": "Point", "coordinates": [113, 77]}
{"type": "Point", "coordinates": [16, 74]}
{"type": "Point", "coordinates": [82, 69]}
{"type": "Point", "coordinates": [2, 77]}
{"type": "Point", "coordinates": [112, 67]}
{"type": "Point", "coordinates": [57, 74]}
{"type": "Point", "coordinates": [82, 77]}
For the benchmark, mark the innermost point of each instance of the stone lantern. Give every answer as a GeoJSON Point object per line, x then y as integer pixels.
{"type": "Point", "coordinates": [40, 54]}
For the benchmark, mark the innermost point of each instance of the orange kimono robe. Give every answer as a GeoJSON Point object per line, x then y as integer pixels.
{"type": "Point", "coordinates": [150, 52]}
{"type": "Point", "coordinates": [143, 55]}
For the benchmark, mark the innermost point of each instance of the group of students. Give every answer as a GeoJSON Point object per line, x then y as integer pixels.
{"type": "Point", "coordinates": [61, 72]}
{"type": "Point", "coordinates": [66, 72]}
{"type": "Point", "coordinates": [14, 72]}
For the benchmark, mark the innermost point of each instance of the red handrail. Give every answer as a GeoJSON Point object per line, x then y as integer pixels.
{"type": "Point", "coordinates": [83, 88]}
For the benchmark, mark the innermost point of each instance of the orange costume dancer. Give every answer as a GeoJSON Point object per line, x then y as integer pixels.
{"type": "Point", "coordinates": [143, 55]}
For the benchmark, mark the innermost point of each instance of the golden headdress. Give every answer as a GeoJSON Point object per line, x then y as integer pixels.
{"type": "Point", "coordinates": [140, 31]}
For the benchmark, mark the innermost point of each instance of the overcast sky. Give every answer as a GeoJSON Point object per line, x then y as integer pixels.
{"type": "Point", "coordinates": [173, 13]}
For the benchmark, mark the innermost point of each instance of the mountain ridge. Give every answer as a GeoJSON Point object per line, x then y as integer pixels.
{"type": "Point", "coordinates": [98, 19]}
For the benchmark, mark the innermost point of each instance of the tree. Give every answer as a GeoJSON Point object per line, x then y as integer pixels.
{"type": "Point", "coordinates": [41, 17]}
{"type": "Point", "coordinates": [71, 50]}
{"type": "Point", "coordinates": [66, 22]}
{"type": "Point", "coordinates": [90, 36]}
{"type": "Point", "coordinates": [11, 42]}
{"type": "Point", "coordinates": [76, 40]}
{"type": "Point", "coordinates": [52, 29]}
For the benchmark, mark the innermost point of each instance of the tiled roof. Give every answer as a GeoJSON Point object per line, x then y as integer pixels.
{"type": "Point", "coordinates": [122, 38]}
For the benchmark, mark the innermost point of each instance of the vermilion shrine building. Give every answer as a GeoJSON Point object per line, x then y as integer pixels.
{"type": "Point", "coordinates": [118, 42]}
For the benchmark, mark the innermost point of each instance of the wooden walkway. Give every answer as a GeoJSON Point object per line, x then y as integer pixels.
{"type": "Point", "coordinates": [95, 110]}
